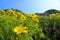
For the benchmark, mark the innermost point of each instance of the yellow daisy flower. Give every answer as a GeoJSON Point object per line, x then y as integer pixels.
{"type": "Point", "coordinates": [20, 29]}
{"type": "Point", "coordinates": [23, 17]}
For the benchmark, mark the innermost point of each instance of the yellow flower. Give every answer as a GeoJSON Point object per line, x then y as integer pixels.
{"type": "Point", "coordinates": [35, 19]}
{"type": "Point", "coordinates": [27, 14]}
{"type": "Point", "coordinates": [9, 11]}
{"type": "Point", "coordinates": [31, 15]}
{"type": "Point", "coordinates": [35, 16]}
{"type": "Point", "coordinates": [23, 17]}
{"type": "Point", "coordinates": [20, 29]}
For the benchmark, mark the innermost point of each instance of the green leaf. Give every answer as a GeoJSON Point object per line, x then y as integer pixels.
{"type": "Point", "coordinates": [42, 35]}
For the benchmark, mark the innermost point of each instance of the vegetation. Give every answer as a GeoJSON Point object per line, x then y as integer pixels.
{"type": "Point", "coordinates": [15, 25]}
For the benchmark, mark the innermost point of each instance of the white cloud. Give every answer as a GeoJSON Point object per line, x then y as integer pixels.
{"type": "Point", "coordinates": [53, 4]}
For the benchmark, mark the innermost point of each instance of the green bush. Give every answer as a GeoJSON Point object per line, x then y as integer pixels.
{"type": "Point", "coordinates": [51, 26]}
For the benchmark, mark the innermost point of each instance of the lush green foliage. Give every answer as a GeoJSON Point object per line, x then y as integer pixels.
{"type": "Point", "coordinates": [15, 25]}
{"type": "Point", "coordinates": [51, 26]}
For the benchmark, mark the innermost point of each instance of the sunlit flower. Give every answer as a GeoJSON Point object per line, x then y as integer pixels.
{"type": "Point", "coordinates": [35, 19]}
{"type": "Point", "coordinates": [20, 29]}
{"type": "Point", "coordinates": [9, 11]}
{"type": "Point", "coordinates": [28, 14]}
{"type": "Point", "coordinates": [23, 17]}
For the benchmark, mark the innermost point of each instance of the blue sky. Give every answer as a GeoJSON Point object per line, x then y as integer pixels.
{"type": "Point", "coordinates": [30, 6]}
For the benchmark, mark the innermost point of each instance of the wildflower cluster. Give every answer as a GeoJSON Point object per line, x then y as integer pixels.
{"type": "Point", "coordinates": [15, 25]}
{"type": "Point", "coordinates": [34, 17]}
